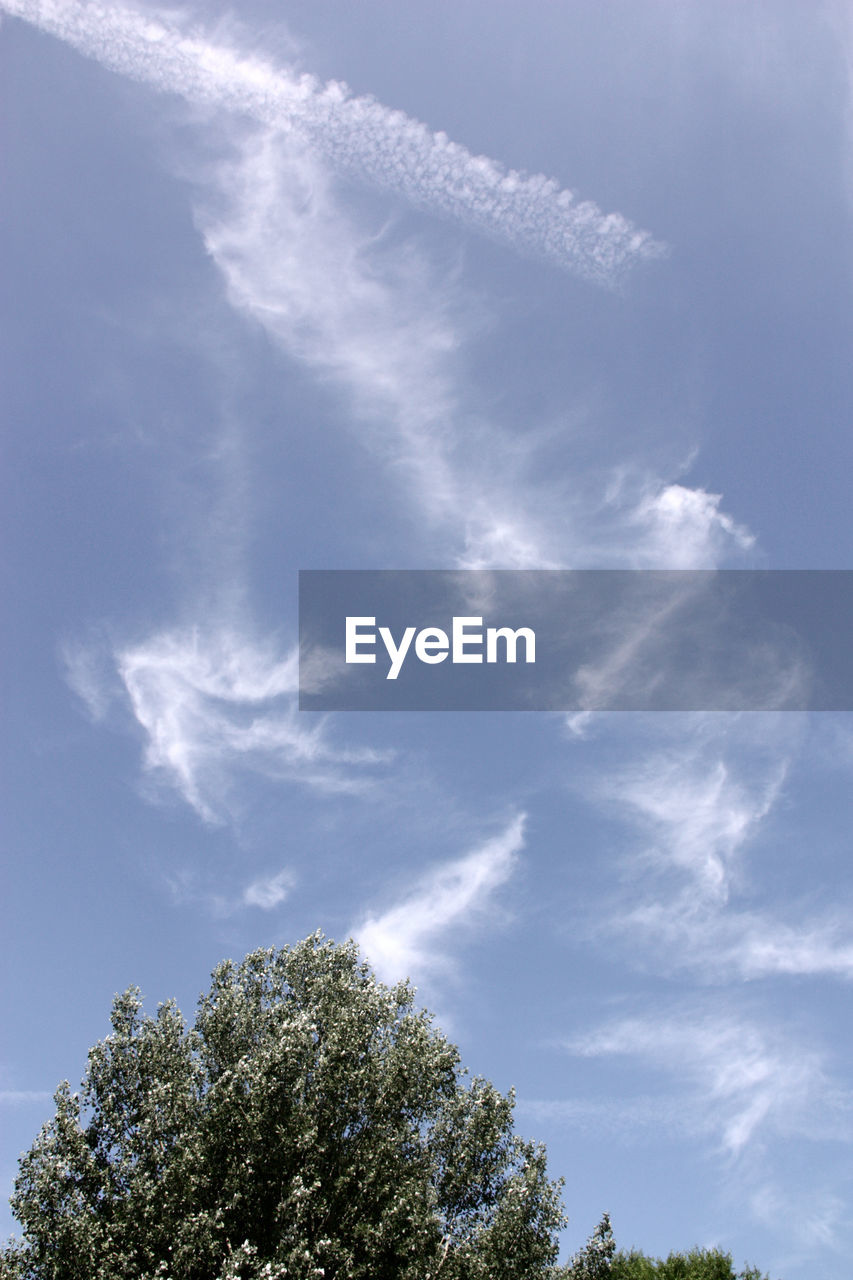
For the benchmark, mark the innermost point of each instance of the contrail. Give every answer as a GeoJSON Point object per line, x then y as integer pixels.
{"type": "Point", "coordinates": [357, 134]}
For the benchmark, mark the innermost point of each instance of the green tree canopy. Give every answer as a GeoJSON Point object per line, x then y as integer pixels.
{"type": "Point", "coordinates": [312, 1123]}
{"type": "Point", "coordinates": [696, 1264]}
{"type": "Point", "coordinates": [601, 1260]}
{"type": "Point", "coordinates": [595, 1260]}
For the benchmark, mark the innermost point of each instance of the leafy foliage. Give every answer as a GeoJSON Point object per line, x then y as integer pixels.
{"type": "Point", "coordinates": [600, 1260]}
{"type": "Point", "coordinates": [311, 1123]}
{"type": "Point", "coordinates": [697, 1264]}
{"type": "Point", "coordinates": [595, 1260]}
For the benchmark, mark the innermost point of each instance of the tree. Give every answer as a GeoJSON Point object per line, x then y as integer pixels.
{"type": "Point", "coordinates": [696, 1264]}
{"type": "Point", "coordinates": [595, 1260]}
{"type": "Point", "coordinates": [600, 1260]}
{"type": "Point", "coordinates": [311, 1123]}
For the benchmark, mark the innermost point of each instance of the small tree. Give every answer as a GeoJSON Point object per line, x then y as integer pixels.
{"type": "Point", "coordinates": [311, 1123]}
{"type": "Point", "coordinates": [599, 1259]}
{"type": "Point", "coordinates": [696, 1264]}
{"type": "Point", "coordinates": [595, 1259]}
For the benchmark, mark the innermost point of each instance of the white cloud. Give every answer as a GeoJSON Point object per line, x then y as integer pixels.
{"type": "Point", "coordinates": [759, 946]}
{"type": "Point", "coordinates": [196, 888]}
{"type": "Point", "coordinates": [377, 320]}
{"type": "Point", "coordinates": [698, 811]}
{"type": "Point", "coordinates": [644, 523]}
{"type": "Point", "coordinates": [373, 316]}
{"type": "Point", "coordinates": [623, 1119]}
{"type": "Point", "coordinates": [732, 1077]}
{"type": "Point", "coordinates": [819, 1217]}
{"type": "Point", "coordinates": [666, 526]}
{"type": "Point", "coordinates": [24, 1097]}
{"type": "Point", "coordinates": [686, 932]}
{"type": "Point", "coordinates": [296, 262]}
{"type": "Point", "coordinates": [269, 891]}
{"type": "Point", "coordinates": [696, 808]}
{"type": "Point", "coordinates": [413, 936]}
{"type": "Point", "coordinates": [91, 675]}
{"type": "Point", "coordinates": [634, 650]}
{"type": "Point", "coordinates": [213, 705]}
{"type": "Point", "coordinates": [684, 528]}
{"type": "Point", "coordinates": [762, 1093]}
{"type": "Point", "coordinates": [357, 134]}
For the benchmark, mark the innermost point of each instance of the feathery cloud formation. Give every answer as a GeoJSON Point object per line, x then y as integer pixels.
{"type": "Point", "coordinates": [357, 134]}
{"type": "Point", "coordinates": [696, 809]}
{"type": "Point", "coordinates": [378, 321]}
{"type": "Point", "coordinates": [723, 943]}
{"type": "Point", "coordinates": [212, 705]}
{"type": "Point", "coordinates": [411, 938]}
{"type": "Point", "coordinates": [684, 528]}
{"type": "Point", "coordinates": [698, 813]}
{"type": "Point", "coordinates": [269, 891]}
{"type": "Point", "coordinates": [292, 260]}
{"type": "Point", "coordinates": [24, 1097]}
{"type": "Point", "coordinates": [735, 1078]}
{"type": "Point", "coordinates": [217, 705]}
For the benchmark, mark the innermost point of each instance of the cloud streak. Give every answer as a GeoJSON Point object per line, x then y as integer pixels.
{"type": "Point", "coordinates": [212, 705]}
{"type": "Point", "coordinates": [377, 322]}
{"type": "Point", "coordinates": [295, 261]}
{"type": "Point", "coordinates": [24, 1097]}
{"type": "Point", "coordinates": [220, 902]}
{"type": "Point", "coordinates": [375, 318]}
{"type": "Point", "coordinates": [735, 1078]}
{"type": "Point", "coordinates": [698, 814]}
{"type": "Point", "coordinates": [217, 705]}
{"type": "Point", "coordinates": [696, 810]}
{"type": "Point", "coordinates": [372, 316]}
{"type": "Point", "coordinates": [727, 944]}
{"type": "Point", "coordinates": [269, 892]}
{"type": "Point", "coordinates": [411, 937]}
{"type": "Point", "coordinates": [356, 134]}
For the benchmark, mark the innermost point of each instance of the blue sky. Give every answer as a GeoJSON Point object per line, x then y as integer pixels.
{"type": "Point", "coordinates": [257, 322]}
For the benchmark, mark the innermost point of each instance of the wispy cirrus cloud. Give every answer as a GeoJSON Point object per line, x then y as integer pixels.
{"type": "Point", "coordinates": [412, 936]}
{"type": "Point", "coordinates": [24, 1097]}
{"type": "Point", "coordinates": [215, 705]}
{"type": "Point", "coordinates": [819, 1216]}
{"type": "Point", "coordinates": [718, 1074]}
{"type": "Point", "coordinates": [268, 892]}
{"type": "Point", "coordinates": [379, 320]}
{"type": "Point", "coordinates": [620, 1119]}
{"type": "Point", "coordinates": [356, 134]}
{"type": "Point", "coordinates": [733, 1078]}
{"type": "Point", "coordinates": [722, 942]}
{"type": "Point", "coordinates": [696, 811]}
{"type": "Point", "coordinates": [222, 900]}
{"type": "Point", "coordinates": [683, 528]}
{"type": "Point", "coordinates": [297, 262]}
{"type": "Point", "coordinates": [375, 317]}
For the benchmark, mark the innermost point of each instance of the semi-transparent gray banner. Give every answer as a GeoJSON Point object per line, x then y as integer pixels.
{"type": "Point", "coordinates": [575, 640]}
